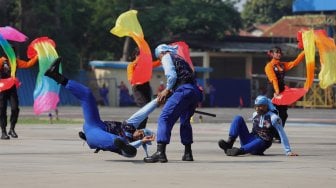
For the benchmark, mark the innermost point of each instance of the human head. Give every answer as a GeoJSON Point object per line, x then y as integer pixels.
{"type": "Point", "coordinates": [261, 104]}
{"type": "Point", "coordinates": [162, 48]}
{"type": "Point", "coordinates": [275, 52]}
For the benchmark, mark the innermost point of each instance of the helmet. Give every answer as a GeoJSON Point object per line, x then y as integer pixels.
{"type": "Point", "coordinates": [164, 48]}
{"type": "Point", "coordinates": [261, 100]}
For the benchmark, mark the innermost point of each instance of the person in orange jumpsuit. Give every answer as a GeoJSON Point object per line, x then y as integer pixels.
{"type": "Point", "coordinates": [275, 70]}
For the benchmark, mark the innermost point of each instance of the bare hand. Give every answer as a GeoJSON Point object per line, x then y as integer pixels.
{"type": "Point", "coordinates": [162, 96]}
{"type": "Point", "coordinates": [276, 95]}
{"type": "Point", "coordinates": [148, 139]}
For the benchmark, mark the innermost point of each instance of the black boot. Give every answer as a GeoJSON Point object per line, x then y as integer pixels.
{"type": "Point", "coordinates": [234, 152]}
{"type": "Point", "coordinates": [127, 150]}
{"type": "Point", "coordinates": [159, 155]}
{"type": "Point", "coordinates": [53, 72]}
{"type": "Point", "coordinates": [12, 133]}
{"type": "Point", "coordinates": [225, 145]}
{"type": "Point", "coordinates": [13, 120]}
{"type": "Point", "coordinates": [82, 135]}
{"type": "Point", "coordinates": [187, 153]}
{"type": "Point", "coordinates": [4, 135]}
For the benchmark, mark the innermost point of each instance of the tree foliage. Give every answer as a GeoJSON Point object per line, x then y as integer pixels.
{"type": "Point", "coordinates": [81, 28]}
{"type": "Point", "coordinates": [66, 22]}
{"type": "Point", "coordinates": [265, 11]}
{"type": "Point", "coordinates": [204, 19]}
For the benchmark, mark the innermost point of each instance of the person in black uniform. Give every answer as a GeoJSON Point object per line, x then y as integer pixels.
{"type": "Point", "coordinates": [11, 96]}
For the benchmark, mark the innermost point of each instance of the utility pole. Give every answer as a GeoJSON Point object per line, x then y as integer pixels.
{"type": "Point", "coordinates": [127, 40]}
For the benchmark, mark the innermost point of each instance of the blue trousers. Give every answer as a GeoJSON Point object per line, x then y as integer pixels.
{"type": "Point", "coordinates": [94, 127]}
{"type": "Point", "coordinates": [181, 104]}
{"type": "Point", "coordinates": [249, 142]}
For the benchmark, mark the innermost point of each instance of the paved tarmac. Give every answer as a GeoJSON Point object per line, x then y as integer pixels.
{"type": "Point", "coordinates": [52, 155]}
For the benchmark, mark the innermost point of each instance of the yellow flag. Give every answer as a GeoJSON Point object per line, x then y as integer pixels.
{"type": "Point", "coordinates": [309, 49]}
{"type": "Point", "coordinates": [127, 24]}
{"type": "Point", "coordinates": [327, 51]}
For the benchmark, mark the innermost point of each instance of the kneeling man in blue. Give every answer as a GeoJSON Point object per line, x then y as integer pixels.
{"type": "Point", "coordinates": [119, 137]}
{"type": "Point", "coordinates": [265, 123]}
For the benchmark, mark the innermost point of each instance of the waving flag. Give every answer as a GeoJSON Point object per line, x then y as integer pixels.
{"type": "Point", "coordinates": [46, 93]}
{"type": "Point", "coordinates": [310, 40]}
{"type": "Point", "coordinates": [327, 50]}
{"type": "Point", "coordinates": [127, 24]}
{"type": "Point", "coordinates": [8, 82]}
{"type": "Point", "coordinates": [183, 51]}
{"type": "Point", "coordinates": [10, 33]}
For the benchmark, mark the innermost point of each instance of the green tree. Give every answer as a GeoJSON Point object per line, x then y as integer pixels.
{"type": "Point", "coordinates": [265, 11]}
{"type": "Point", "coordinates": [81, 28]}
{"type": "Point", "coordinates": [63, 21]}
{"type": "Point", "coordinates": [10, 13]}
{"type": "Point", "coordinates": [101, 43]}
{"type": "Point", "coordinates": [204, 19]}
{"type": "Point", "coordinates": [162, 21]}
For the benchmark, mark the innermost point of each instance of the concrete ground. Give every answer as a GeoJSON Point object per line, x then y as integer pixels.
{"type": "Point", "coordinates": [52, 155]}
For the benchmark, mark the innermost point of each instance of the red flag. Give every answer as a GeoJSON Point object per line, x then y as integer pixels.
{"type": "Point", "coordinates": [289, 96]}
{"type": "Point", "coordinates": [183, 51]}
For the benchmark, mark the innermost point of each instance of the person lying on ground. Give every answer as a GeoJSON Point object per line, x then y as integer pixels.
{"type": "Point", "coordinates": [119, 137]}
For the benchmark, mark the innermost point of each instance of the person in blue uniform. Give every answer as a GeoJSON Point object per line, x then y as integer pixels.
{"type": "Point", "coordinates": [119, 137]}
{"type": "Point", "coordinates": [180, 98]}
{"type": "Point", "coordinates": [103, 92]}
{"type": "Point", "coordinates": [265, 122]}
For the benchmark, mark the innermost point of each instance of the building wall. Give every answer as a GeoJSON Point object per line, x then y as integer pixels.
{"type": "Point", "coordinates": [233, 67]}
{"type": "Point", "coordinates": [230, 67]}
{"type": "Point", "coordinates": [113, 77]}
{"type": "Point", "coordinates": [232, 71]}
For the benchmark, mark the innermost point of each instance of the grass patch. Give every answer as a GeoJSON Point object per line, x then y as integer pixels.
{"type": "Point", "coordinates": [47, 121]}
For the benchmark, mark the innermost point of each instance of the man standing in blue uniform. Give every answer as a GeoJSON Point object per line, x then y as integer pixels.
{"type": "Point", "coordinates": [265, 123]}
{"type": "Point", "coordinates": [181, 97]}
{"type": "Point", "coordinates": [119, 137]}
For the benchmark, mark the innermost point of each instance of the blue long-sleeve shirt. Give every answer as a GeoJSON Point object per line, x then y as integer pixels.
{"type": "Point", "coordinates": [142, 114]}
{"type": "Point", "coordinates": [138, 117]}
{"type": "Point", "coordinates": [169, 70]}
